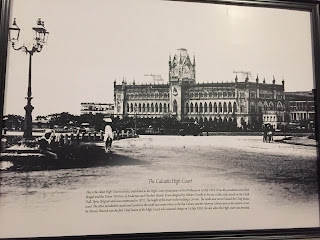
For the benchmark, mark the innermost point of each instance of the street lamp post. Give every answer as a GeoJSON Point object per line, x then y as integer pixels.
{"type": "Point", "coordinates": [41, 37]}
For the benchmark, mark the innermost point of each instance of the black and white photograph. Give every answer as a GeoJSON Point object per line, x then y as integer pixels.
{"type": "Point", "coordinates": [154, 116]}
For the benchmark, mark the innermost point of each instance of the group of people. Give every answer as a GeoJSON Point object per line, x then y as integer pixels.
{"type": "Point", "coordinates": [50, 141]}
{"type": "Point", "coordinates": [268, 132]}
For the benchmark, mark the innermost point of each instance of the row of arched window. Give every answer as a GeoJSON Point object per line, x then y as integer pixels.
{"type": "Point", "coordinates": [152, 95]}
{"type": "Point", "coordinates": [266, 106]}
{"type": "Point", "coordinates": [224, 94]}
{"type": "Point", "coordinates": [209, 108]}
{"type": "Point", "coordinates": [210, 119]}
{"type": "Point", "coordinates": [147, 108]}
{"type": "Point", "coordinates": [225, 107]}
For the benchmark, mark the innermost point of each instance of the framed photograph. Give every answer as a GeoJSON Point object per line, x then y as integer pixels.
{"type": "Point", "coordinates": [154, 119]}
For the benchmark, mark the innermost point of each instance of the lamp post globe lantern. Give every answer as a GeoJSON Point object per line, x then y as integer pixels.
{"type": "Point", "coordinates": [14, 32]}
{"type": "Point", "coordinates": [40, 33]}
{"type": "Point", "coordinates": [41, 37]}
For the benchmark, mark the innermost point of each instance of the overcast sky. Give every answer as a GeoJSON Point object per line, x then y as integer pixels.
{"type": "Point", "coordinates": [94, 42]}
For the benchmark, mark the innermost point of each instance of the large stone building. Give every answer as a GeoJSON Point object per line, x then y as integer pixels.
{"type": "Point", "coordinates": [302, 108]}
{"type": "Point", "coordinates": [246, 102]}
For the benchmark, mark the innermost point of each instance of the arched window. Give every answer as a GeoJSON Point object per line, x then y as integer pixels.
{"type": "Point", "coordinates": [200, 121]}
{"type": "Point", "coordinates": [220, 107]}
{"type": "Point", "coordinates": [160, 107]}
{"type": "Point", "coordinates": [260, 107]}
{"type": "Point", "coordinates": [128, 107]}
{"type": "Point", "coordinates": [225, 94]}
{"type": "Point", "coordinates": [210, 94]}
{"type": "Point", "coordinates": [131, 107]}
{"type": "Point", "coordinates": [152, 107]}
{"type": "Point", "coordinates": [187, 107]}
{"type": "Point", "coordinates": [205, 107]}
{"type": "Point", "coordinates": [215, 94]}
{"type": "Point", "coordinates": [175, 106]}
{"type": "Point", "coordinates": [215, 108]}
{"type": "Point", "coordinates": [165, 107]}
{"type": "Point", "coordinates": [225, 107]}
{"type": "Point", "coordinates": [229, 107]}
{"type": "Point", "coordinates": [143, 107]}
{"type": "Point", "coordinates": [135, 108]}
{"type": "Point", "coordinates": [196, 107]}
{"type": "Point", "coordinates": [210, 107]}
{"type": "Point", "coordinates": [271, 106]}
{"type": "Point", "coordinates": [201, 108]}
{"type": "Point", "coordinates": [235, 109]}
{"type": "Point", "coordinates": [139, 107]}
{"type": "Point", "coordinates": [157, 107]}
{"type": "Point", "coordinates": [265, 106]}
{"type": "Point", "coordinates": [279, 106]}
{"type": "Point", "coordinates": [148, 107]}
{"type": "Point", "coordinates": [205, 94]}
{"type": "Point", "coordinates": [191, 107]}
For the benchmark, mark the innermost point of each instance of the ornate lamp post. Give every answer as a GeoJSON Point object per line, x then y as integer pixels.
{"type": "Point", "coordinates": [40, 38]}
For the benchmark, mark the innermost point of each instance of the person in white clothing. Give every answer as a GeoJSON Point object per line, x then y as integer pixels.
{"type": "Point", "coordinates": [108, 135]}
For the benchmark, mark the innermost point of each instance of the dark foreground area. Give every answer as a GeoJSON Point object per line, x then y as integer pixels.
{"type": "Point", "coordinates": [281, 178]}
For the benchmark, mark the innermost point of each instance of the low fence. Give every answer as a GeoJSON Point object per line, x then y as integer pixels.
{"type": "Point", "coordinates": [68, 138]}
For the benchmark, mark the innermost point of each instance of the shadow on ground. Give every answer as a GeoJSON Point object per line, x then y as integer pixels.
{"type": "Point", "coordinates": [84, 155]}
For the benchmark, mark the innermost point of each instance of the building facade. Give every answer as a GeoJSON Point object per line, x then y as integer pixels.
{"type": "Point", "coordinates": [302, 108]}
{"type": "Point", "coordinates": [106, 109]}
{"type": "Point", "coordinates": [245, 102]}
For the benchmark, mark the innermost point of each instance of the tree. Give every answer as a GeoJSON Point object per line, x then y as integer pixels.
{"type": "Point", "coordinates": [13, 122]}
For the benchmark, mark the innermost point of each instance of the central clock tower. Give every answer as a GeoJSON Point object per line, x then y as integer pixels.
{"type": "Point", "coordinates": [181, 71]}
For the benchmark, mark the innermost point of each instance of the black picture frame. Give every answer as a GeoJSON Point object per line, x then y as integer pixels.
{"type": "Point", "coordinates": [312, 6]}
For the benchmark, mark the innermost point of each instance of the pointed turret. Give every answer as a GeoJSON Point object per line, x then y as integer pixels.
{"type": "Point", "coordinates": [247, 78]}
{"type": "Point", "coordinates": [257, 79]}
{"type": "Point", "coordinates": [181, 68]}
{"type": "Point", "coordinates": [236, 79]}
{"type": "Point", "coordinates": [274, 80]}
{"type": "Point", "coordinates": [264, 80]}
{"type": "Point", "coordinates": [194, 60]}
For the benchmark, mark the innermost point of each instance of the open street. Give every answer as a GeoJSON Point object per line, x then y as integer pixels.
{"type": "Point", "coordinates": [281, 177]}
